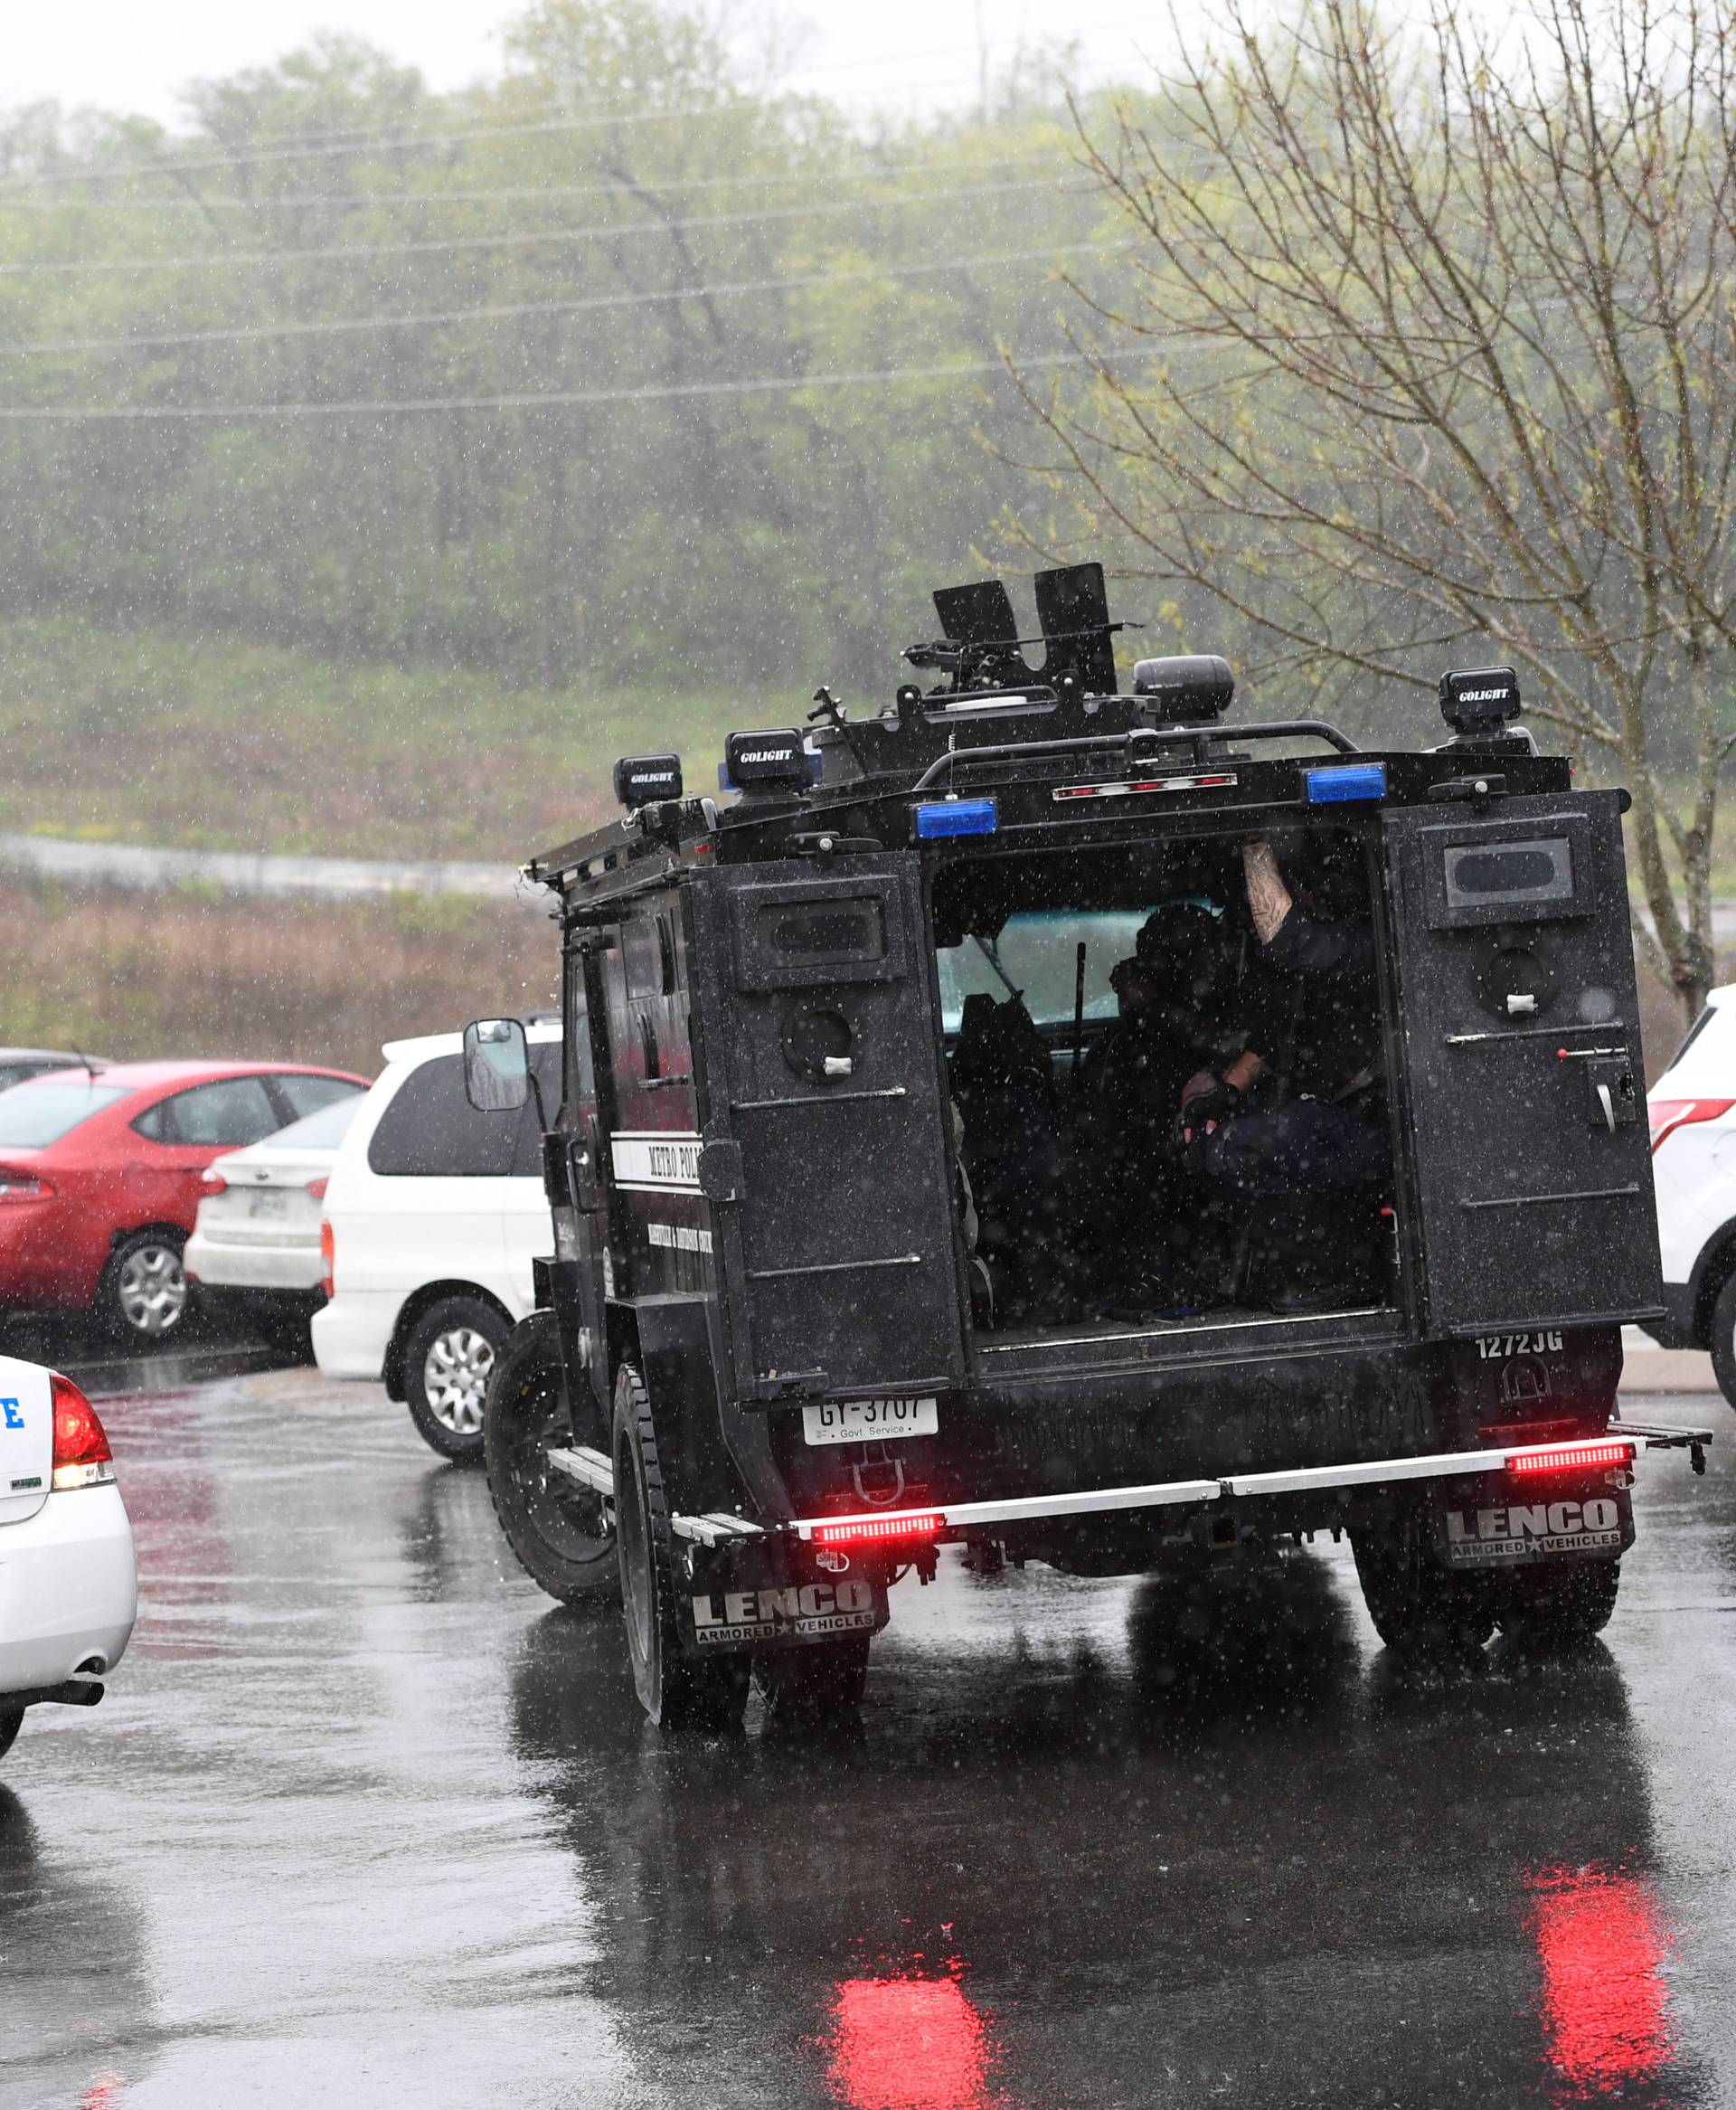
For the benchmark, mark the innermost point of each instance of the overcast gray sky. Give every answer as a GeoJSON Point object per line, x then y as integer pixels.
{"type": "Point", "coordinates": [136, 55]}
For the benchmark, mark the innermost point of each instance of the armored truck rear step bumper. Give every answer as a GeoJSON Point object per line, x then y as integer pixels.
{"type": "Point", "coordinates": [1618, 1446]}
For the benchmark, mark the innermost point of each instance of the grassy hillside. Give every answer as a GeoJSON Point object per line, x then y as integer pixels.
{"type": "Point", "coordinates": [153, 737]}
{"type": "Point", "coordinates": [181, 974]}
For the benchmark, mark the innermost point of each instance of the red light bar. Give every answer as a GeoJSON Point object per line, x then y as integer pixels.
{"type": "Point", "coordinates": [1574, 1458]}
{"type": "Point", "coordinates": [911, 1524]}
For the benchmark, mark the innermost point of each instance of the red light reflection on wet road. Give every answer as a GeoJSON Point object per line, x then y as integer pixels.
{"type": "Point", "coordinates": [1604, 2000]}
{"type": "Point", "coordinates": [907, 2044]}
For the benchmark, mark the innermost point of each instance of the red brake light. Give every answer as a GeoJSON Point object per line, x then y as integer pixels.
{"type": "Point", "coordinates": [329, 1260]}
{"type": "Point", "coordinates": [81, 1454]}
{"type": "Point", "coordinates": [1574, 1458]}
{"type": "Point", "coordinates": [1667, 1115]}
{"type": "Point", "coordinates": [22, 1187]}
{"type": "Point", "coordinates": [860, 1531]}
{"type": "Point", "coordinates": [317, 1187]}
{"type": "Point", "coordinates": [212, 1181]}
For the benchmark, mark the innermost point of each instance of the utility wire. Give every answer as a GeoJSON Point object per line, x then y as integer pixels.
{"type": "Point", "coordinates": [505, 194]}
{"type": "Point", "coordinates": [547, 399]}
{"type": "Point", "coordinates": [523, 239]}
{"type": "Point", "coordinates": [657, 296]}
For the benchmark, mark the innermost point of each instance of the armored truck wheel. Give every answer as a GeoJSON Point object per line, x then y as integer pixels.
{"type": "Point", "coordinates": [1419, 1607]}
{"type": "Point", "coordinates": [1556, 1607]}
{"type": "Point", "coordinates": [813, 1688]}
{"type": "Point", "coordinates": [559, 1530]}
{"type": "Point", "coordinates": [676, 1691]}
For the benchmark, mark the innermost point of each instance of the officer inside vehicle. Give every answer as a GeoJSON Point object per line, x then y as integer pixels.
{"type": "Point", "coordinates": [1129, 1158]}
{"type": "Point", "coordinates": [1288, 1141]}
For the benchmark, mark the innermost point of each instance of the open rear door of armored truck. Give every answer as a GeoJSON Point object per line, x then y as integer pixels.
{"type": "Point", "coordinates": [1523, 1091]}
{"type": "Point", "coordinates": [827, 1144]}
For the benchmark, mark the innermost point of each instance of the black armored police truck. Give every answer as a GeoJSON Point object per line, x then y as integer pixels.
{"type": "Point", "coordinates": [1046, 1118]}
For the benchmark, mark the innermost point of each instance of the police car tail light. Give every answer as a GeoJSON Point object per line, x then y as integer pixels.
{"type": "Point", "coordinates": [867, 1530]}
{"type": "Point", "coordinates": [81, 1454]}
{"type": "Point", "coordinates": [1667, 1115]}
{"type": "Point", "coordinates": [1573, 1458]}
{"type": "Point", "coordinates": [327, 1260]}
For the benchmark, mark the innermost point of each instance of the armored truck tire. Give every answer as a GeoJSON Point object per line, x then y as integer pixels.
{"type": "Point", "coordinates": [678, 1691]}
{"type": "Point", "coordinates": [813, 1688]}
{"type": "Point", "coordinates": [1419, 1607]}
{"type": "Point", "coordinates": [1723, 1340]}
{"type": "Point", "coordinates": [447, 1361]}
{"type": "Point", "coordinates": [558, 1530]}
{"type": "Point", "coordinates": [1554, 1607]}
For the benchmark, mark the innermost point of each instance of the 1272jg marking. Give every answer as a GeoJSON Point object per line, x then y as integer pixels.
{"type": "Point", "coordinates": [1491, 1347]}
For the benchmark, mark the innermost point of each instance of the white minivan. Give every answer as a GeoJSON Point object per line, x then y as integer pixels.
{"type": "Point", "coordinates": [434, 1213]}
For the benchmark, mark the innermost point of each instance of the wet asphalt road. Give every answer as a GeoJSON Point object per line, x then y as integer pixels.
{"type": "Point", "coordinates": [364, 1820]}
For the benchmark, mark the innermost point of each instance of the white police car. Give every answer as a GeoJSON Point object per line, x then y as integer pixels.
{"type": "Point", "coordinates": [69, 1590]}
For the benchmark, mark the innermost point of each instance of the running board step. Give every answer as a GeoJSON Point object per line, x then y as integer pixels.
{"type": "Point", "coordinates": [591, 1469]}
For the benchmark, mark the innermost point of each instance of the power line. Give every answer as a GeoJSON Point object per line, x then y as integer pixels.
{"type": "Point", "coordinates": [513, 194]}
{"type": "Point", "coordinates": [516, 310]}
{"type": "Point", "coordinates": [523, 239]}
{"type": "Point", "coordinates": [764, 385]}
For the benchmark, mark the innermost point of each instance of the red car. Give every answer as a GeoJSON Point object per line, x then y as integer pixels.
{"type": "Point", "coordinates": [99, 1176]}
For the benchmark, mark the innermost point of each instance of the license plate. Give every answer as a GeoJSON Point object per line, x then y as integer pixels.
{"type": "Point", "coordinates": [268, 1204]}
{"type": "Point", "coordinates": [869, 1421]}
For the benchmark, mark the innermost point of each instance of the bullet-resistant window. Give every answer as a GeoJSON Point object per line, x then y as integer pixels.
{"type": "Point", "coordinates": [854, 929]}
{"type": "Point", "coordinates": [1540, 870]}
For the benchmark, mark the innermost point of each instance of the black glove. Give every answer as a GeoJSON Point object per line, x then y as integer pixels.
{"type": "Point", "coordinates": [1222, 1102]}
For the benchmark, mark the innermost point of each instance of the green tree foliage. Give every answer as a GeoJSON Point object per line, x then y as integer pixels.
{"type": "Point", "coordinates": [628, 219]}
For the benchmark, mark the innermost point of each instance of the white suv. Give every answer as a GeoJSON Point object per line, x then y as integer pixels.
{"type": "Point", "coordinates": [434, 1213]}
{"type": "Point", "coordinates": [1693, 1108]}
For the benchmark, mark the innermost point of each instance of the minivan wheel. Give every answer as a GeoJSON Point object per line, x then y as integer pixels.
{"type": "Point", "coordinates": [449, 1359]}
{"type": "Point", "coordinates": [1723, 1340]}
{"type": "Point", "coordinates": [144, 1293]}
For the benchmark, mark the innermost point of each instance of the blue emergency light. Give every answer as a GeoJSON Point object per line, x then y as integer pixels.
{"type": "Point", "coordinates": [1356, 779]}
{"type": "Point", "coordinates": [957, 817]}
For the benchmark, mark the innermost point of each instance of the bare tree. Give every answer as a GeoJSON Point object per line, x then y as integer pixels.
{"type": "Point", "coordinates": [1431, 350]}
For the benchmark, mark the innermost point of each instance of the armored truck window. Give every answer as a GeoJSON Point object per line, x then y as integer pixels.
{"type": "Point", "coordinates": [431, 1132]}
{"type": "Point", "coordinates": [1480, 873]}
{"type": "Point", "coordinates": [836, 931]}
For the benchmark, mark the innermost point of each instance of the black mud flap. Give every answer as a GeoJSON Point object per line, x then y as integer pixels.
{"type": "Point", "coordinates": [758, 1595]}
{"type": "Point", "coordinates": [1500, 1528]}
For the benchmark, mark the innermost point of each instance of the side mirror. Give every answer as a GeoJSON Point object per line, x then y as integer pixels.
{"type": "Point", "coordinates": [496, 1065]}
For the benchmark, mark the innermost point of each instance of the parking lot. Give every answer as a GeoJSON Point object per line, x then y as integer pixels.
{"type": "Point", "coordinates": [363, 1817]}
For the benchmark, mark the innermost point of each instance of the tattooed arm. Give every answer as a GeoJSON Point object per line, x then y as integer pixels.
{"type": "Point", "coordinates": [1268, 896]}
